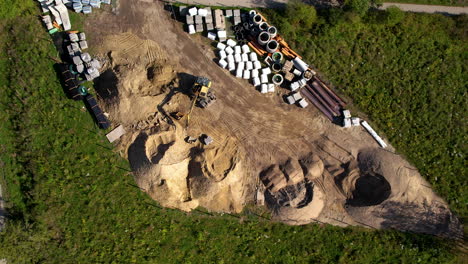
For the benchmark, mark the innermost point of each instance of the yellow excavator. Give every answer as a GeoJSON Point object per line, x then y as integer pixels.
{"type": "Point", "coordinates": [201, 95]}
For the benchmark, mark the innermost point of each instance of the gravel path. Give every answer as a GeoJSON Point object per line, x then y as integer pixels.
{"type": "Point", "coordinates": [452, 10]}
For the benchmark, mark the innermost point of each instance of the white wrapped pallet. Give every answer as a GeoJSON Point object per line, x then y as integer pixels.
{"type": "Point", "coordinates": [245, 48]}
{"type": "Point", "coordinates": [222, 54]}
{"type": "Point", "coordinates": [253, 56]}
{"type": "Point", "coordinates": [264, 78]}
{"type": "Point", "coordinates": [193, 11]}
{"type": "Point", "coordinates": [245, 57]}
{"type": "Point", "coordinates": [294, 86]}
{"type": "Point", "coordinates": [246, 74]}
{"type": "Point", "coordinates": [237, 58]}
{"type": "Point", "coordinates": [202, 12]}
{"type": "Point", "coordinates": [191, 29]}
{"type": "Point", "coordinates": [255, 73]}
{"type": "Point", "coordinates": [290, 99]}
{"type": "Point", "coordinates": [212, 36]}
{"type": "Point", "coordinates": [221, 46]}
{"type": "Point", "coordinates": [229, 50]}
{"type": "Point", "coordinates": [271, 88]}
{"type": "Point", "coordinates": [239, 72]}
{"type": "Point", "coordinates": [256, 81]}
{"type": "Point", "coordinates": [237, 49]}
{"type": "Point", "coordinates": [249, 65]}
{"type": "Point", "coordinates": [222, 63]}
{"type": "Point", "coordinates": [241, 65]}
{"type": "Point", "coordinates": [230, 58]}
{"type": "Point", "coordinates": [264, 88]}
{"type": "Point", "coordinates": [257, 65]}
{"type": "Point", "coordinates": [297, 72]}
{"type": "Point", "coordinates": [222, 35]}
{"type": "Point", "coordinates": [355, 121]}
{"type": "Point", "coordinates": [346, 122]}
{"type": "Point", "coordinates": [231, 43]}
{"type": "Point", "coordinates": [303, 103]}
{"type": "Point", "coordinates": [266, 70]}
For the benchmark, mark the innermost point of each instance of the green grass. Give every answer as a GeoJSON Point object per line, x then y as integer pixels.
{"type": "Point", "coordinates": [72, 199]}
{"type": "Point", "coordinates": [408, 73]}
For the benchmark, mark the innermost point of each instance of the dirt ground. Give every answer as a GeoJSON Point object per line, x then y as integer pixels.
{"type": "Point", "coordinates": [265, 152]}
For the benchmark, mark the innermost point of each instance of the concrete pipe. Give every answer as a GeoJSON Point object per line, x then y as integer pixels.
{"type": "Point", "coordinates": [272, 31]}
{"type": "Point", "coordinates": [263, 38]}
{"type": "Point", "coordinates": [272, 46]}
{"type": "Point", "coordinates": [276, 67]}
{"type": "Point", "coordinates": [252, 13]}
{"type": "Point", "coordinates": [263, 26]}
{"type": "Point", "coordinates": [307, 75]}
{"type": "Point", "coordinates": [257, 19]}
{"type": "Point", "coordinates": [277, 79]}
{"type": "Point", "coordinates": [277, 56]}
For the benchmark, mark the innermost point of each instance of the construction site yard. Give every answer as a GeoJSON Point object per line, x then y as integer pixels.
{"type": "Point", "coordinates": [294, 161]}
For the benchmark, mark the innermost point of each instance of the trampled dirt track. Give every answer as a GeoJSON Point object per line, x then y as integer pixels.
{"type": "Point", "coordinates": [261, 131]}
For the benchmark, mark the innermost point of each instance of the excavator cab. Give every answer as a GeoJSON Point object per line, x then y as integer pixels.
{"type": "Point", "coordinates": [204, 97]}
{"type": "Point", "coordinates": [201, 95]}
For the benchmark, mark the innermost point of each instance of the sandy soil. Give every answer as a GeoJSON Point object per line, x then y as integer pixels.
{"type": "Point", "coordinates": [302, 167]}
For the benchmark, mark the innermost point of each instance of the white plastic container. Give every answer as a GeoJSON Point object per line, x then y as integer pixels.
{"type": "Point", "coordinates": [237, 58]}
{"type": "Point", "coordinates": [223, 63]}
{"type": "Point", "coordinates": [266, 70]}
{"type": "Point", "coordinates": [241, 66]}
{"type": "Point", "coordinates": [264, 88]}
{"type": "Point", "coordinates": [222, 54]}
{"type": "Point", "coordinates": [264, 78]}
{"type": "Point", "coordinates": [229, 50]}
{"type": "Point", "coordinates": [245, 48]}
{"type": "Point", "coordinates": [237, 50]}
{"type": "Point", "coordinates": [255, 73]}
{"type": "Point", "coordinates": [231, 66]}
{"type": "Point", "coordinates": [245, 57]}
{"type": "Point", "coordinates": [246, 74]}
{"type": "Point", "coordinates": [257, 65]}
{"type": "Point", "coordinates": [253, 56]}
{"type": "Point", "coordinates": [239, 72]}
{"type": "Point", "coordinates": [221, 46]}
{"type": "Point", "coordinates": [230, 58]}
{"type": "Point", "coordinates": [256, 81]}
{"type": "Point", "coordinates": [249, 65]}
{"type": "Point", "coordinates": [231, 43]}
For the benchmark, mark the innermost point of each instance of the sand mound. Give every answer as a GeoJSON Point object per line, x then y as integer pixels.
{"type": "Point", "coordinates": [218, 161]}
{"type": "Point", "coordinates": [136, 77]}
{"type": "Point", "coordinates": [382, 193]}
{"type": "Point", "coordinates": [290, 191]}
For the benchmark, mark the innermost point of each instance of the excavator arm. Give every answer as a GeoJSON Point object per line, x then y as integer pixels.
{"type": "Point", "coordinates": [191, 109]}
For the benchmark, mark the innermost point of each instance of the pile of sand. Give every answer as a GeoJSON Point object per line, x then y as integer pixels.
{"type": "Point", "coordinates": [138, 89]}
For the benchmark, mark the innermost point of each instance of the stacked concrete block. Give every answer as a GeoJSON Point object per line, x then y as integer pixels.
{"type": "Point", "coordinates": [199, 27]}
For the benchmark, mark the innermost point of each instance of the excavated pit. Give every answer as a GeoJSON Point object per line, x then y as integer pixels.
{"type": "Point", "coordinates": [371, 189]}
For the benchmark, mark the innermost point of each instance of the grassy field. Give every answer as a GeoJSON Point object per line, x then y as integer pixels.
{"type": "Point", "coordinates": [71, 199]}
